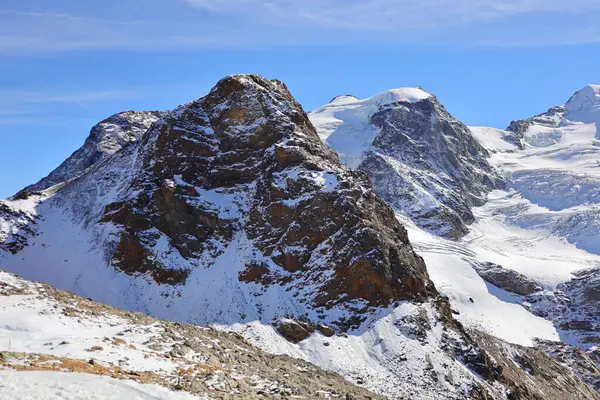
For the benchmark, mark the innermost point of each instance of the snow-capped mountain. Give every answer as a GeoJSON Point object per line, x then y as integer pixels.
{"type": "Point", "coordinates": [559, 169]}
{"type": "Point", "coordinates": [231, 211]}
{"type": "Point", "coordinates": [421, 160]}
{"type": "Point", "coordinates": [233, 194]}
{"type": "Point", "coordinates": [553, 182]}
{"type": "Point", "coordinates": [520, 272]}
{"type": "Point", "coordinates": [548, 128]}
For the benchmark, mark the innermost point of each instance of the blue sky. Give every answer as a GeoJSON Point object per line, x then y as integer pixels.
{"type": "Point", "coordinates": [65, 65]}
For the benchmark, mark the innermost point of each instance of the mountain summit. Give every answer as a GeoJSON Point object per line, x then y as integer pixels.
{"type": "Point", "coordinates": [421, 160]}
{"type": "Point", "coordinates": [234, 195]}
{"type": "Point", "coordinates": [542, 129]}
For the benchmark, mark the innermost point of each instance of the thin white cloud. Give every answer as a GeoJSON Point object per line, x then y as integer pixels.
{"type": "Point", "coordinates": [47, 32]}
{"type": "Point", "coordinates": [174, 25]}
{"type": "Point", "coordinates": [45, 96]}
{"type": "Point", "coordinates": [40, 107]}
{"type": "Point", "coordinates": [391, 14]}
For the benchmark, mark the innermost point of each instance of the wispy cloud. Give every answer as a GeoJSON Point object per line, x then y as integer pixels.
{"type": "Point", "coordinates": [59, 96]}
{"type": "Point", "coordinates": [392, 14]}
{"type": "Point", "coordinates": [48, 31]}
{"type": "Point", "coordinates": [43, 107]}
{"type": "Point", "coordinates": [159, 25]}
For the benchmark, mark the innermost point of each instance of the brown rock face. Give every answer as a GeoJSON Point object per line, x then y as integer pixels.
{"type": "Point", "coordinates": [245, 160]}
{"type": "Point", "coordinates": [297, 331]}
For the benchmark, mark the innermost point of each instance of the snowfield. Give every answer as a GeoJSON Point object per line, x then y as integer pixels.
{"type": "Point", "coordinates": [544, 225]}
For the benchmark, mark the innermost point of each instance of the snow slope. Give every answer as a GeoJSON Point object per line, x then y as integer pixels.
{"type": "Point", "coordinates": [546, 259]}
{"type": "Point", "coordinates": [557, 174]}
{"type": "Point", "coordinates": [72, 386]}
{"type": "Point", "coordinates": [544, 225]}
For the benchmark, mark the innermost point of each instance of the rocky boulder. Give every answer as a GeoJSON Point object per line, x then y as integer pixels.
{"type": "Point", "coordinates": [506, 279]}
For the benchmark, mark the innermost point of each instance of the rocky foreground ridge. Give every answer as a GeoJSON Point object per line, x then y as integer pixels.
{"type": "Point", "coordinates": [58, 331]}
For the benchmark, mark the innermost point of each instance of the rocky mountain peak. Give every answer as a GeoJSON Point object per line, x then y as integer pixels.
{"type": "Point", "coordinates": [250, 141]}
{"type": "Point", "coordinates": [240, 171]}
{"type": "Point", "coordinates": [105, 139]}
{"type": "Point", "coordinates": [582, 107]}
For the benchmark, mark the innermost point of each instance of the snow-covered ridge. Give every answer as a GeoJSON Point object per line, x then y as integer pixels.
{"type": "Point", "coordinates": [399, 95]}
{"type": "Point", "coordinates": [105, 139]}
{"type": "Point", "coordinates": [584, 107]}
{"type": "Point", "coordinates": [587, 98]}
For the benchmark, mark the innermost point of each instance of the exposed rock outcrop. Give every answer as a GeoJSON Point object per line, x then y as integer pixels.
{"type": "Point", "coordinates": [506, 279]}
{"type": "Point", "coordinates": [574, 308]}
{"type": "Point", "coordinates": [17, 225]}
{"type": "Point", "coordinates": [519, 128]}
{"type": "Point", "coordinates": [532, 374]}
